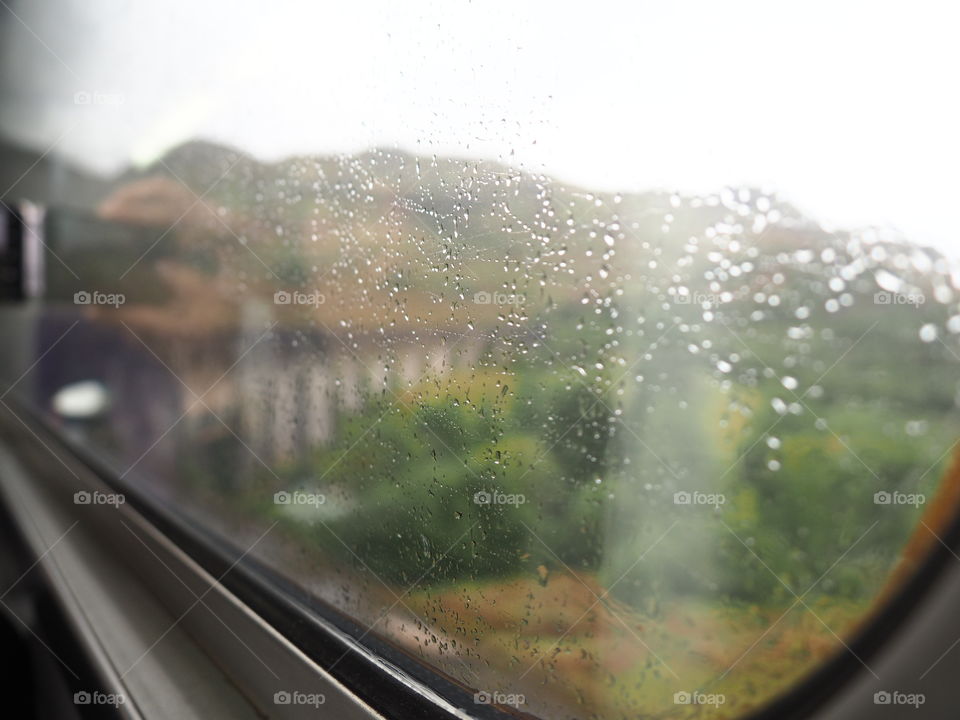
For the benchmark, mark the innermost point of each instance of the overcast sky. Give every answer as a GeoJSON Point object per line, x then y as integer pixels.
{"type": "Point", "coordinates": [849, 109]}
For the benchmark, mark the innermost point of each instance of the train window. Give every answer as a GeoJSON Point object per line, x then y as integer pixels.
{"type": "Point", "coordinates": [603, 362]}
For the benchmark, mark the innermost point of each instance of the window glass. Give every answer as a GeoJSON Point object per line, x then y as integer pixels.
{"type": "Point", "coordinates": [603, 361]}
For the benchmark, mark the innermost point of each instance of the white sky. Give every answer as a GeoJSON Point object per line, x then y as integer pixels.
{"type": "Point", "coordinates": [849, 109]}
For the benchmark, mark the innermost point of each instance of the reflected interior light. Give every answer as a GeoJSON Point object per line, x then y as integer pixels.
{"type": "Point", "coordinates": [81, 400]}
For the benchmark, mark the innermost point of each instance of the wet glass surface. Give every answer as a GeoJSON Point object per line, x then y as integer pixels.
{"type": "Point", "coordinates": [588, 452]}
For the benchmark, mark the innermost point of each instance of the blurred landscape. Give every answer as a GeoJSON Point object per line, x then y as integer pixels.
{"type": "Point", "coordinates": [589, 449]}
